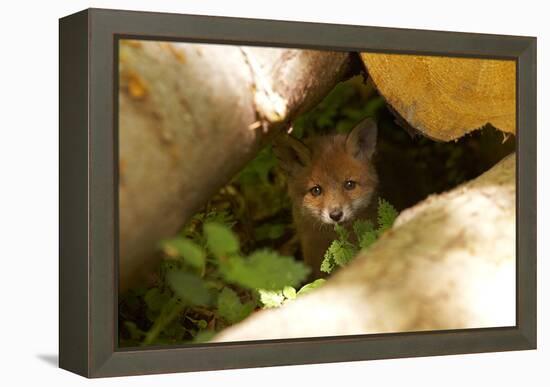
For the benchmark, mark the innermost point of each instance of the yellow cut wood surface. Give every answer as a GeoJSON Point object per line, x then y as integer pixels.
{"type": "Point", "coordinates": [447, 97]}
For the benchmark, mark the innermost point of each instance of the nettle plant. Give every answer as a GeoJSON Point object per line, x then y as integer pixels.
{"type": "Point", "coordinates": [207, 284]}
{"type": "Point", "coordinates": [343, 250]}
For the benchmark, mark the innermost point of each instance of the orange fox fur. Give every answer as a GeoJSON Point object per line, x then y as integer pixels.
{"type": "Point", "coordinates": [331, 179]}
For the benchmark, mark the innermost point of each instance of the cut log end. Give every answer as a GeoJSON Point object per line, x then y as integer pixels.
{"type": "Point", "coordinates": [444, 97]}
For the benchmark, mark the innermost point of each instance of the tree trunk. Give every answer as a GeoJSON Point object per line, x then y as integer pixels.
{"type": "Point", "coordinates": [448, 263]}
{"type": "Point", "coordinates": [191, 116]}
{"type": "Point", "coordinates": [444, 97]}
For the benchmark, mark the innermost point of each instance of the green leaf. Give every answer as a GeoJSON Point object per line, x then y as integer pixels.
{"type": "Point", "coordinates": [310, 287]}
{"type": "Point", "coordinates": [135, 333]}
{"type": "Point", "coordinates": [341, 231]}
{"type": "Point", "coordinates": [289, 292]}
{"type": "Point", "coordinates": [189, 287]}
{"type": "Point", "coordinates": [365, 233]}
{"type": "Point", "coordinates": [367, 239]}
{"type": "Point", "coordinates": [204, 336]}
{"type": "Point", "coordinates": [271, 298]}
{"type": "Point", "coordinates": [269, 231]}
{"type": "Point", "coordinates": [328, 265]}
{"type": "Point", "coordinates": [264, 269]}
{"type": "Point", "coordinates": [191, 252]}
{"type": "Point", "coordinates": [299, 126]}
{"type": "Point", "coordinates": [344, 127]}
{"type": "Point", "coordinates": [152, 315]}
{"type": "Point", "coordinates": [257, 171]}
{"type": "Point", "coordinates": [342, 252]}
{"type": "Point", "coordinates": [220, 239]}
{"type": "Point", "coordinates": [231, 308]}
{"type": "Point", "coordinates": [386, 215]}
{"type": "Point", "coordinates": [155, 299]}
{"type": "Point", "coordinates": [361, 227]}
{"type": "Point", "coordinates": [174, 330]}
{"type": "Point", "coordinates": [374, 105]}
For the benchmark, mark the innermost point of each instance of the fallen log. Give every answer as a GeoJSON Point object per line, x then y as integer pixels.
{"type": "Point", "coordinates": [190, 117]}
{"type": "Point", "coordinates": [445, 97]}
{"type": "Point", "coordinates": [448, 263]}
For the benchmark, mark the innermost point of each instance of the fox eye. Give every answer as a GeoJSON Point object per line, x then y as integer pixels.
{"type": "Point", "coordinates": [316, 191]}
{"type": "Point", "coordinates": [349, 185]}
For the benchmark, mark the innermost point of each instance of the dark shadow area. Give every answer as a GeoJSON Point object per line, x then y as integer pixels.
{"type": "Point", "coordinates": [412, 167]}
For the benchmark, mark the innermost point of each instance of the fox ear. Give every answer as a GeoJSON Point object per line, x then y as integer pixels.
{"type": "Point", "coordinates": [291, 152]}
{"type": "Point", "coordinates": [361, 141]}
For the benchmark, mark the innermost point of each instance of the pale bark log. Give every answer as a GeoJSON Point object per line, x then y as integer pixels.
{"type": "Point", "coordinates": [448, 263]}
{"type": "Point", "coordinates": [191, 116]}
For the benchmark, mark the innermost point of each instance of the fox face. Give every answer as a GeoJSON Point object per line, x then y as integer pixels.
{"type": "Point", "coordinates": [331, 179]}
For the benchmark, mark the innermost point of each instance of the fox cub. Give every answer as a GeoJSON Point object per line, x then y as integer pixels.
{"type": "Point", "coordinates": [331, 180]}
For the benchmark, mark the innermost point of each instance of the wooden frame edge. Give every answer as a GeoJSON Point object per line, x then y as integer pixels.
{"type": "Point", "coordinates": [88, 193]}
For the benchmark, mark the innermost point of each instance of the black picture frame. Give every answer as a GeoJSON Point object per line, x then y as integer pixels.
{"type": "Point", "coordinates": [88, 192]}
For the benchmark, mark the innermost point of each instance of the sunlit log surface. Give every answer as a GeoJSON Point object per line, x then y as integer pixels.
{"type": "Point", "coordinates": [444, 97]}
{"type": "Point", "coordinates": [191, 116]}
{"type": "Point", "coordinates": [448, 263]}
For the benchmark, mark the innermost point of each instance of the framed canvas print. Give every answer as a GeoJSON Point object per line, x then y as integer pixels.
{"type": "Point", "coordinates": [245, 193]}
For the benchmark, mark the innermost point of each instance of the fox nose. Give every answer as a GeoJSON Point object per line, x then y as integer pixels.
{"type": "Point", "coordinates": [336, 215]}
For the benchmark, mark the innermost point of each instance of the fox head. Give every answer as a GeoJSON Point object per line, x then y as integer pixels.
{"type": "Point", "coordinates": [331, 178]}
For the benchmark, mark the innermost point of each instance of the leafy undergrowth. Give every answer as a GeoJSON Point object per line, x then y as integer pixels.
{"type": "Point", "coordinates": [343, 249]}
{"type": "Point", "coordinates": [206, 283]}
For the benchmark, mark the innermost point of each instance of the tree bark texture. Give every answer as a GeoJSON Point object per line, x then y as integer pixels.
{"type": "Point", "coordinates": [447, 263]}
{"type": "Point", "coordinates": [190, 117]}
{"type": "Point", "coordinates": [444, 97]}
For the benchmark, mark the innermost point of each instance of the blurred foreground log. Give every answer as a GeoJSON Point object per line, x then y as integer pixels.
{"type": "Point", "coordinates": [191, 116]}
{"type": "Point", "coordinates": [448, 263]}
{"type": "Point", "coordinates": [445, 97]}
